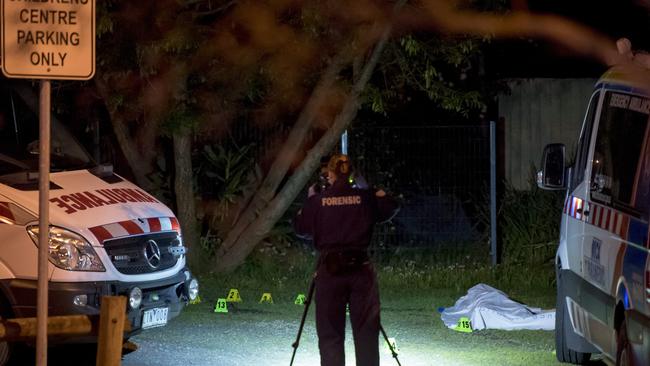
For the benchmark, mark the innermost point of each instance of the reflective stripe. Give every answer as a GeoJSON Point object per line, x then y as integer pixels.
{"type": "Point", "coordinates": [116, 230]}
{"type": "Point", "coordinates": [143, 224]}
{"type": "Point", "coordinates": [131, 227]}
{"type": "Point", "coordinates": [100, 233]}
{"type": "Point", "coordinates": [135, 227]}
{"type": "Point", "coordinates": [154, 224]}
{"type": "Point", "coordinates": [165, 224]}
{"type": "Point", "coordinates": [6, 211]}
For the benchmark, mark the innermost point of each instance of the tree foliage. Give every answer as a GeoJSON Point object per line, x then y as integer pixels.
{"type": "Point", "coordinates": [446, 70]}
{"type": "Point", "coordinates": [295, 71]}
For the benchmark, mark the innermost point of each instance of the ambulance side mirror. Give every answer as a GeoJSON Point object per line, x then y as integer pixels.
{"type": "Point", "coordinates": [552, 175]}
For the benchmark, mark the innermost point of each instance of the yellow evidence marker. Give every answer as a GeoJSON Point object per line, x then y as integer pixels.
{"type": "Point", "coordinates": [221, 306]}
{"type": "Point", "coordinates": [196, 301]}
{"type": "Point", "coordinates": [233, 296]}
{"type": "Point", "coordinates": [266, 297]}
{"type": "Point", "coordinates": [300, 299]}
{"type": "Point", "coordinates": [463, 325]}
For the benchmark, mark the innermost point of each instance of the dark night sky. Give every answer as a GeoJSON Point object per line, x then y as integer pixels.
{"type": "Point", "coordinates": [525, 58]}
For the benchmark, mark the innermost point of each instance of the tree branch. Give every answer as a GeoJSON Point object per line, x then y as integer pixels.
{"type": "Point", "coordinates": [258, 228]}
{"type": "Point", "coordinates": [441, 16]}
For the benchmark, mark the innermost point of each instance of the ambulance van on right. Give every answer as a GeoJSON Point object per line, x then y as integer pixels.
{"type": "Point", "coordinates": [602, 262]}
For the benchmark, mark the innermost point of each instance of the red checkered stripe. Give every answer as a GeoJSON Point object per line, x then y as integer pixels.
{"type": "Point", "coordinates": [10, 213]}
{"type": "Point", "coordinates": [601, 216]}
{"type": "Point", "coordinates": [134, 227]}
{"type": "Point", "coordinates": [5, 212]}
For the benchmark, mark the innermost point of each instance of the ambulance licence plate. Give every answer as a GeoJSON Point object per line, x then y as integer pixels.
{"type": "Point", "coordinates": [154, 317]}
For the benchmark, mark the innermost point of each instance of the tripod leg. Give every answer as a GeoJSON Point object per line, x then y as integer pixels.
{"type": "Point", "coordinates": [390, 346]}
{"type": "Point", "coordinates": [295, 344]}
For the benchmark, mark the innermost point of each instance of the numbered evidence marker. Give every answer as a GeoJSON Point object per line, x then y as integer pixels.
{"type": "Point", "coordinates": [300, 299]}
{"type": "Point", "coordinates": [266, 297]}
{"type": "Point", "coordinates": [233, 295]}
{"type": "Point", "coordinates": [221, 306]}
{"type": "Point", "coordinates": [196, 301]}
{"type": "Point", "coordinates": [393, 343]}
{"type": "Point", "coordinates": [463, 325]}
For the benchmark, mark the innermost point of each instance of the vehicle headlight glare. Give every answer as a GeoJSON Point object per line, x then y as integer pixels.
{"type": "Point", "coordinates": [135, 298]}
{"type": "Point", "coordinates": [69, 251]}
{"type": "Point", "coordinates": [193, 289]}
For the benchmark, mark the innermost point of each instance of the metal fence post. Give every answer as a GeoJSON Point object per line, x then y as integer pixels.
{"type": "Point", "coordinates": [493, 193]}
{"type": "Point", "coordinates": [43, 221]}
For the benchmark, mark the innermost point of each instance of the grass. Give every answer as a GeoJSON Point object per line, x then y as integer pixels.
{"type": "Point", "coordinates": [289, 273]}
{"type": "Point", "coordinates": [408, 314]}
{"type": "Point", "coordinates": [413, 285]}
{"type": "Point", "coordinates": [421, 336]}
{"type": "Point", "coordinates": [411, 292]}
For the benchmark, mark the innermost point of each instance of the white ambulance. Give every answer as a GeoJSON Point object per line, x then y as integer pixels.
{"type": "Point", "coordinates": [603, 269]}
{"type": "Point", "coordinates": [108, 237]}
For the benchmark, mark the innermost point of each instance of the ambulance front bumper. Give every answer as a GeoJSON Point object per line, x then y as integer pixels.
{"type": "Point", "coordinates": [165, 296]}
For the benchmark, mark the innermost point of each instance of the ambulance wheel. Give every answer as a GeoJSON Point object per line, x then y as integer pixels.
{"type": "Point", "coordinates": [562, 350]}
{"type": "Point", "coordinates": [623, 347]}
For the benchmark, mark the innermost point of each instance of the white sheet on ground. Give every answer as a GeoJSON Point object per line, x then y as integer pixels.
{"type": "Point", "coordinates": [489, 308]}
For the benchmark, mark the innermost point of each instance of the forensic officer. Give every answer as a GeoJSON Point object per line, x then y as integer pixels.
{"type": "Point", "coordinates": [340, 220]}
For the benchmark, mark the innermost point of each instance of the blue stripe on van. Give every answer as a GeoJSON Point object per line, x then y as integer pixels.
{"type": "Point", "coordinates": [638, 232]}
{"type": "Point", "coordinates": [634, 272]}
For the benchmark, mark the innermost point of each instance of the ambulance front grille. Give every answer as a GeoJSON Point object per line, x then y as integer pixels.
{"type": "Point", "coordinates": [134, 254]}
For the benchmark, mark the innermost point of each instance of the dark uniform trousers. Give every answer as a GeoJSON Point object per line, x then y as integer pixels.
{"type": "Point", "coordinates": [333, 292]}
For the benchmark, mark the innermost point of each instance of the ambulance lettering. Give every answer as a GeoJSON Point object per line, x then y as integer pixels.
{"type": "Point", "coordinates": [74, 202]}
{"type": "Point", "coordinates": [619, 101]}
{"type": "Point", "coordinates": [640, 105]}
{"type": "Point", "coordinates": [594, 269]}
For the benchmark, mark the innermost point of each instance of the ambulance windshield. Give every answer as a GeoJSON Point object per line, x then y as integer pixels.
{"type": "Point", "coordinates": [617, 172]}
{"type": "Point", "coordinates": [19, 139]}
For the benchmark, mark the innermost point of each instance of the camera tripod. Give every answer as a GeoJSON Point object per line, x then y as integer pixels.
{"type": "Point", "coordinates": [295, 344]}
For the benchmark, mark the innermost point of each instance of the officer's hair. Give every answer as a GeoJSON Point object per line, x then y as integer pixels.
{"type": "Point", "coordinates": [341, 165]}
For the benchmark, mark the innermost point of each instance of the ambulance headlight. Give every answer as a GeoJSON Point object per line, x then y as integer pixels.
{"type": "Point", "coordinates": [69, 251]}
{"type": "Point", "coordinates": [193, 289]}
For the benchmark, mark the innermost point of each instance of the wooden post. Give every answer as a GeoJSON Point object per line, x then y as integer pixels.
{"type": "Point", "coordinates": [24, 329]}
{"type": "Point", "coordinates": [111, 330]}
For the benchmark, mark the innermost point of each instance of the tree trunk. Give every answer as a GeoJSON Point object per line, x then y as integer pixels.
{"type": "Point", "coordinates": [289, 151]}
{"type": "Point", "coordinates": [140, 166]}
{"type": "Point", "coordinates": [183, 187]}
{"type": "Point", "coordinates": [263, 220]}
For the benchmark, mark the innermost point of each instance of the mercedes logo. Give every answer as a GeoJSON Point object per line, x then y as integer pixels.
{"type": "Point", "coordinates": [152, 254]}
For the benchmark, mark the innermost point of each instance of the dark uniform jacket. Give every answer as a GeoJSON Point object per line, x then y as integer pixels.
{"type": "Point", "coordinates": [342, 217]}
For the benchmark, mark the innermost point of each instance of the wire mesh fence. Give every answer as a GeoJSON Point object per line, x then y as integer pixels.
{"type": "Point", "coordinates": [441, 175]}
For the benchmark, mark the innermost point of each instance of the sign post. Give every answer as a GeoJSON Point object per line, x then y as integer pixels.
{"type": "Point", "coordinates": [47, 39]}
{"type": "Point", "coordinates": [43, 222]}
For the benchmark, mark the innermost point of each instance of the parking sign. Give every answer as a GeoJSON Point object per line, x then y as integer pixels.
{"type": "Point", "coordinates": [48, 39]}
